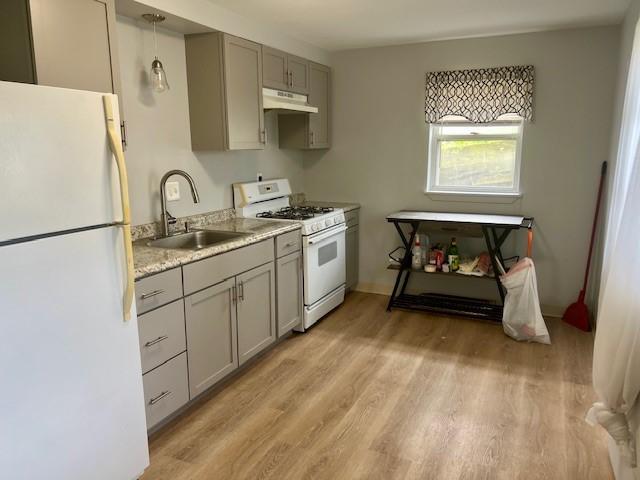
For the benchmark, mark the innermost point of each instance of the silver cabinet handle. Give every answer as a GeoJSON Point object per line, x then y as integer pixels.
{"type": "Point", "coordinates": [157, 340]}
{"type": "Point", "coordinates": [312, 138]}
{"type": "Point", "coordinates": [144, 296]}
{"type": "Point", "coordinates": [234, 298]}
{"type": "Point", "coordinates": [263, 136]}
{"type": "Point", "coordinates": [241, 292]}
{"type": "Point", "coordinates": [155, 400]}
{"type": "Point", "coordinates": [289, 245]}
{"type": "Point", "coordinates": [290, 78]}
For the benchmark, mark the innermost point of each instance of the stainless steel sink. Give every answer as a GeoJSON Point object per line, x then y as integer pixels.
{"type": "Point", "coordinates": [195, 240]}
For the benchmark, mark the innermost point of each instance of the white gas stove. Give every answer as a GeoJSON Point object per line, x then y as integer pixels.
{"type": "Point", "coordinates": [323, 241]}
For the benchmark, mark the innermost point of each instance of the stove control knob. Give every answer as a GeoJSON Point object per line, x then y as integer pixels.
{"type": "Point", "coordinates": [328, 222]}
{"type": "Point", "coordinates": [314, 227]}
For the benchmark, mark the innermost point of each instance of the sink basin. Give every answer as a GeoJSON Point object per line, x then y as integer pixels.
{"type": "Point", "coordinates": [195, 240]}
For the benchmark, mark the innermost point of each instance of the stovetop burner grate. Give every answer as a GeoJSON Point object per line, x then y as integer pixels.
{"type": "Point", "coordinates": [295, 213]}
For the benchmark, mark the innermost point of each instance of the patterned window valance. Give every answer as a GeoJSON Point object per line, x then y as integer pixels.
{"type": "Point", "coordinates": [480, 95]}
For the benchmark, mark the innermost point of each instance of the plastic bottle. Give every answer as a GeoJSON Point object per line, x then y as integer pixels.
{"type": "Point", "coordinates": [416, 251]}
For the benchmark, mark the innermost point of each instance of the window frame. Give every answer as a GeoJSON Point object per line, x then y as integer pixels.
{"type": "Point", "coordinates": [433, 160]}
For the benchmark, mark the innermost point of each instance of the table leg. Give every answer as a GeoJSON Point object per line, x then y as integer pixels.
{"type": "Point", "coordinates": [406, 261]}
{"type": "Point", "coordinates": [493, 251]}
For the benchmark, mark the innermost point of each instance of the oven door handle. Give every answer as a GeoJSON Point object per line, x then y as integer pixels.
{"type": "Point", "coordinates": [318, 237]}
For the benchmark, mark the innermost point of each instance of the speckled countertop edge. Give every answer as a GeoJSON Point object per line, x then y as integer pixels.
{"type": "Point", "coordinates": [152, 260]}
{"type": "Point", "coordinates": [347, 207]}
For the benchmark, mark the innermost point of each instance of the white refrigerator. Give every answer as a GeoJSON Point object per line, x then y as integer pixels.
{"type": "Point", "coordinates": [71, 398]}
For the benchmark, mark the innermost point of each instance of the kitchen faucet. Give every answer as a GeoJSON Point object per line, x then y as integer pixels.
{"type": "Point", "coordinates": [166, 217]}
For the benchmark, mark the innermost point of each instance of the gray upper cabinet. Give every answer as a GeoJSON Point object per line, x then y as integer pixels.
{"type": "Point", "coordinates": [289, 283]}
{"type": "Point", "coordinates": [256, 311]}
{"type": "Point", "coordinates": [210, 317]}
{"type": "Point", "coordinates": [60, 43]}
{"type": "Point", "coordinates": [319, 91]}
{"type": "Point", "coordinates": [224, 77]}
{"type": "Point", "coordinates": [298, 74]}
{"type": "Point", "coordinates": [312, 130]}
{"type": "Point", "coordinates": [284, 72]}
{"type": "Point", "coordinates": [72, 44]}
{"type": "Point", "coordinates": [274, 69]}
{"type": "Point", "coordinates": [16, 54]}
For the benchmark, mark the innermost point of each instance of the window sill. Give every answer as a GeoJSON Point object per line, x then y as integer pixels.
{"type": "Point", "coordinates": [473, 197]}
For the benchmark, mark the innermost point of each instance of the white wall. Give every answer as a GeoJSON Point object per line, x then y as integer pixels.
{"type": "Point", "coordinates": [379, 144]}
{"type": "Point", "coordinates": [159, 134]}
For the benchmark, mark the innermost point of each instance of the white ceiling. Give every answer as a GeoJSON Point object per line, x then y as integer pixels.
{"type": "Point", "coordinates": [342, 24]}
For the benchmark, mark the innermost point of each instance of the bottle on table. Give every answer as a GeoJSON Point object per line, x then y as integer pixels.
{"type": "Point", "coordinates": [416, 251]}
{"type": "Point", "coordinates": [453, 256]}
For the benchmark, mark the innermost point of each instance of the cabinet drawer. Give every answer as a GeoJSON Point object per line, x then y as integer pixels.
{"type": "Point", "coordinates": [288, 243]}
{"type": "Point", "coordinates": [207, 272]}
{"type": "Point", "coordinates": [158, 290]}
{"type": "Point", "coordinates": [351, 217]}
{"type": "Point", "coordinates": [165, 389]}
{"type": "Point", "coordinates": [161, 335]}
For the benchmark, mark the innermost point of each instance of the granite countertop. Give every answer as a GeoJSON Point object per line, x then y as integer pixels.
{"type": "Point", "coordinates": [150, 260]}
{"type": "Point", "coordinates": [345, 206]}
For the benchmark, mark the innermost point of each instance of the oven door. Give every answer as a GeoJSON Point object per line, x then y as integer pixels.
{"type": "Point", "coordinates": [324, 263]}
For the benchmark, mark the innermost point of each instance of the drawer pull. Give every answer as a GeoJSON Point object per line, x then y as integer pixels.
{"type": "Point", "coordinates": [289, 245]}
{"type": "Point", "coordinates": [144, 296]}
{"type": "Point", "coordinates": [157, 340]}
{"type": "Point", "coordinates": [155, 400]}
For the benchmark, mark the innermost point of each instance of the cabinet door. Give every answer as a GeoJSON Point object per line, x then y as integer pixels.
{"type": "Point", "coordinates": [298, 74]}
{"type": "Point", "coordinates": [210, 317]}
{"type": "Point", "coordinates": [289, 280]}
{"type": "Point", "coordinates": [16, 54]}
{"type": "Point", "coordinates": [274, 69]}
{"type": "Point", "coordinates": [74, 44]}
{"type": "Point", "coordinates": [256, 311]}
{"type": "Point", "coordinates": [319, 96]}
{"type": "Point", "coordinates": [352, 253]}
{"type": "Point", "coordinates": [243, 94]}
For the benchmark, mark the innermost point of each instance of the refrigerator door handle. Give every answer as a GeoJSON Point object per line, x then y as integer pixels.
{"type": "Point", "coordinates": [116, 148]}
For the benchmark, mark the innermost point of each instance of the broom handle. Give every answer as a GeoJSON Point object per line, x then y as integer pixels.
{"type": "Point", "coordinates": [603, 172]}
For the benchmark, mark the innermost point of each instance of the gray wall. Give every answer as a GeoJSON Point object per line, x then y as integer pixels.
{"type": "Point", "coordinates": [159, 138]}
{"type": "Point", "coordinates": [379, 153]}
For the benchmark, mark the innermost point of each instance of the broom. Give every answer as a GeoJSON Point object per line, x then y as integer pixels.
{"type": "Point", "coordinates": [577, 314]}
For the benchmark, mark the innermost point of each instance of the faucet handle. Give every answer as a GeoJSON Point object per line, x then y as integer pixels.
{"type": "Point", "coordinates": [187, 226]}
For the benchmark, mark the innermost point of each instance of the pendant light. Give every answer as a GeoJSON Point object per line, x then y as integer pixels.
{"type": "Point", "coordinates": [159, 81]}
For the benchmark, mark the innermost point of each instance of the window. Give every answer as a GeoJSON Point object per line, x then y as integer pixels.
{"type": "Point", "coordinates": [466, 157]}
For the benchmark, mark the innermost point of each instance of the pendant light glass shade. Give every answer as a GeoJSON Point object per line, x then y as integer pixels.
{"type": "Point", "coordinates": [157, 75]}
{"type": "Point", "coordinates": [159, 81]}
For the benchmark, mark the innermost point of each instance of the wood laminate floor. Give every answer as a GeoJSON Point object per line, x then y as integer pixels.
{"type": "Point", "coordinates": [369, 394]}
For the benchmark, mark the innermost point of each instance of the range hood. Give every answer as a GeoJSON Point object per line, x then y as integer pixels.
{"type": "Point", "coordinates": [281, 100]}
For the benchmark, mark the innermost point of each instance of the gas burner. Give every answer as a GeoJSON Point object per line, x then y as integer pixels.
{"type": "Point", "coordinates": [295, 213]}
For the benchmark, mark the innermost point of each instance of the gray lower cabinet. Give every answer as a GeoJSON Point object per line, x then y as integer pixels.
{"type": "Point", "coordinates": [312, 130]}
{"type": "Point", "coordinates": [256, 311]}
{"type": "Point", "coordinates": [352, 249]}
{"type": "Point", "coordinates": [165, 389]}
{"type": "Point", "coordinates": [289, 288]}
{"type": "Point", "coordinates": [161, 334]}
{"type": "Point", "coordinates": [224, 79]}
{"type": "Point", "coordinates": [212, 336]}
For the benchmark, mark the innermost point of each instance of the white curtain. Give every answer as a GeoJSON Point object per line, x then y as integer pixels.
{"type": "Point", "coordinates": [616, 362]}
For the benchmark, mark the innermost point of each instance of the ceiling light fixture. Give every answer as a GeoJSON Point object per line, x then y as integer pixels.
{"type": "Point", "coordinates": [159, 81]}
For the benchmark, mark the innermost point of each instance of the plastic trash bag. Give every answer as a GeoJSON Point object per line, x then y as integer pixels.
{"type": "Point", "coordinates": [522, 318]}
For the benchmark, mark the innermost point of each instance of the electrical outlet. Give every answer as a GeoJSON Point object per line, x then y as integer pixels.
{"type": "Point", "coordinates": [173, 191]}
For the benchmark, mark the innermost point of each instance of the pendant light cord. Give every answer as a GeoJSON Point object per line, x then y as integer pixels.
{"type": "Point", "coordinates": [155, 41]}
